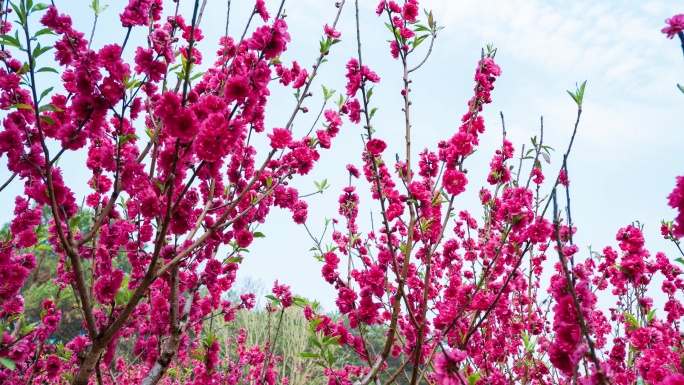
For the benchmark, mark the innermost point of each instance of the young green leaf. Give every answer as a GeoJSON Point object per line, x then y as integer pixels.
{"type": "Point", "coordinates": [473, 378]}
{"type": "Point", "coordinates": [47, 119]}
{"type": "Point", "coordinates": [578, 95]}
{"type": "Point", "coordinates": [233, 260]}
{"type": "Point", "coordinates": [308, 355]}
{"type": "Point", "coordinates": [9, 364]}
{"type": "Point", "coordinates": [21, 106]}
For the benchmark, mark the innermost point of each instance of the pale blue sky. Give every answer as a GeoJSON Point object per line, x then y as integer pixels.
{"type": "Point", "coordinates": [626, 155]}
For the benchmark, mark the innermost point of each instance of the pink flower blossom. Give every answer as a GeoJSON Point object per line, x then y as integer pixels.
{"type": "Point", "coordinates": [673, 379]}
{"type": "Point", "coordinates": [283, 293]}
{"type": "Point", "coordinates": [538, 177]}
{"type": "Point", "coordinates": [146, 64]}
{"type": "Point", "coordinates": [260, 8]}
{"type": "Point", "coordinates": [676, 201]}
{"type": "Point", "coordinates": [563, 178]}
{"type": "Point", "coordinates": [272, 41]}
{"type": "Point", "coordinates": [353, 171]}
{"type": "Point", "coordinates": [140, 12]}
{"type": "Point", "coordinates": [394, 49]}
{"type": "Point", "coordinates": [447, 367]}
{"type": "Point", "coordinates": [5, 27]}
{"type": "Point", "coordinates": [331, 32]}
{"type": "Point", "coordinates": [354, 109]}
{"type": "Point", "coordinates": [380, 7]}
{"type": "Point", "coordinates": [280, 138]}
{"type": "Point", "coordinates": [675, 26]}
{"type": "Point", "coordinates": [376, 146]}
{"type": "Point", "coordinates": [410, 11]}
{"type": "Point", "coordinates": [454, 182]}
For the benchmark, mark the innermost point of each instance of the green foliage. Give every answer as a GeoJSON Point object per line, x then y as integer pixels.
{"type": "Point", "coordinates": [578, 95]}
{"type": "Point", "coordinates": [95, 6]}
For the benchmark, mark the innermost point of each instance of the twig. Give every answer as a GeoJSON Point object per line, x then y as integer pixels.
{"type": "Point", "coordinates": [571, 287]}
{"type": "Point", "coordinates": [8, 181]}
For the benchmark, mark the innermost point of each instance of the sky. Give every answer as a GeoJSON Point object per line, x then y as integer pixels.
{"type": "Point", "coordinates": [625, 158]}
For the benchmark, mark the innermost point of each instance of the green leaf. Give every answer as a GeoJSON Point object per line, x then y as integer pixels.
{"type": "Point", "coordinates": [300, 301]}
{"type": "Point", "coordinates": [334, 340]}
{"type": "Point", "coordinates": [274, 301]}
{"type": "Point", "coordinates": [49, 107]}
{"type": "Point", "coordinates": [308, 355]}
{"type": "Point", "coordinates": [578, 95]}
{"type": "Point", "coordinates": [372, 112]}
{"type": "Point", "coordinates": [44, 93]}
{"type": "Point", "coordinates": [95, 6]}
{"type": "Point", "coordinates": [10, 41]}
{"type": "Point", "coordinates": [233, 260]}
{"type": "Point", "coordinates": [195, 76]}
{"type": "Point", "coordinates": [123, 295]}
{"type": "Point", "coordinates": [323, 46]}
{"type": "Point", "coordinates": [127, 138]}
{"type": "Point", "coordinates": [327, 94]}
{"type": "Point", "coordinates": [6, 362]}
{"type": "Point", "coordinates": [20, 13]}
{"type": "Point", "coordinates": [44, 31]}
{"type": "Point", "coordinates": [418, 40]}
{"type": "Point", "coordinates": [316, 343]}
{"type": "Point", "coordinates": [680, 88]}
{"type": "Point", "coordinates": [47, 119]}
{"type": "Point", "coordinates": [159, 184]}
{"type": "Point", "coordinates": [40, 50]}
{"type": "Point", "coordinates": [28, 328]}
{"type": "Point", "coordinates": [40, 7]}
{"type": "Point", "coordinates": [632, 320]}
{"type": "Point", "coordinates": [21, 106]}
{"type": "Point", "coordinates": [473, 378]}
{"type": "Point", "coordinates": [258, 234]}
{"type": "Point", "coordinates": [47, 69]}
{"type": "Point", "coordinates": [198, 357]}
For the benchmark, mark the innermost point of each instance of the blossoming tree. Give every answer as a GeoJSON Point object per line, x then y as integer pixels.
{"type": "Point", "coordinates": [175, 175]}
{"type": "Point", "coordinates": [167, 202]}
